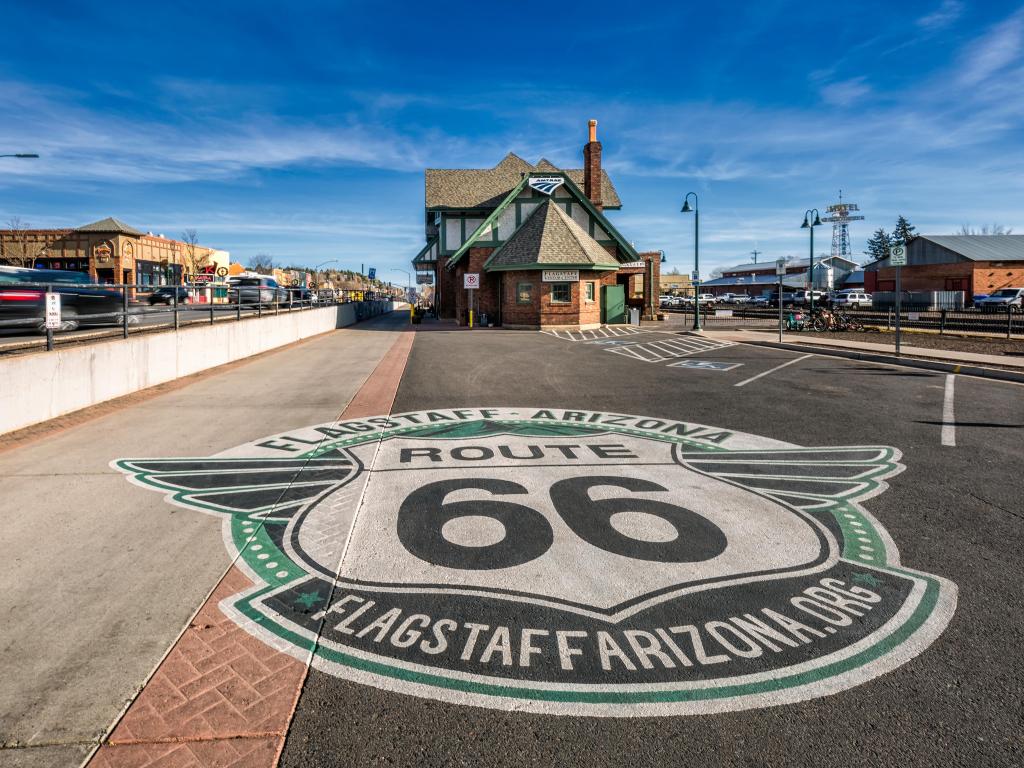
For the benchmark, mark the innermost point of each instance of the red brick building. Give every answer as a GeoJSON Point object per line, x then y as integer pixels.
{"type": "Point", "coordinates": [974, 264]}
{"type": "Point", "coordinates": [537, 239]}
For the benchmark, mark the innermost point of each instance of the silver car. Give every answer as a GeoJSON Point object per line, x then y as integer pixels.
{"type": "Point", "coordinates": [256, 290]}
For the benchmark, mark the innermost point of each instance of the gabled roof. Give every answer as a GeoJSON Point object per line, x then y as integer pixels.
{"type": "Point", "coordinates": [770, 264]}
{"type": "Point", "coordinates": [549, 237]}
{"type": "Point", "coordinates": [574, 192]}
{"type": "Point", "coordinates": [110, 225]}
{"type": "Point", "coordinates": [982, 247]}
{"type": "Point", "coordinates": [464, 188]}
{"type": "Point", "coordinates": [424, 256]}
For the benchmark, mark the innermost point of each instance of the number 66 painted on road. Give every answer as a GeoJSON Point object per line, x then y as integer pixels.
{"type": "Point", "coordinates": [528, 534]}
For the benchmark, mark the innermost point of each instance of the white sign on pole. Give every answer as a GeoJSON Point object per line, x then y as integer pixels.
{"type": "Point", "coordinates": [780, 267]}
{"type": "Point", "coordinates": [898, 256]}
{"type": "Point", "coordinates": [695, 276]}
{"type": "Point", "coordinates": [53, 311]}
{"type": "Point", "coordinates": [560, 276]}
{"type": "Point", "coordinates": [471, 280]}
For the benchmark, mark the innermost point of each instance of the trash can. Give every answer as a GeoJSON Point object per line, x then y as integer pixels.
{"type": "Point", "coordinates": [634, 316]}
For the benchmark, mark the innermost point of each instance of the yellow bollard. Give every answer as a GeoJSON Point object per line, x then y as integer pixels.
{"type": "Point", "coordinates": [412, 311]}
{"type": "Point", "coordinates": [471, 318]}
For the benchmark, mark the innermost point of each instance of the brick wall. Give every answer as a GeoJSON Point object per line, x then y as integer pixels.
{"type": "Point", "coordinates": [513, 313]}
{"type": "Point", "coordinates": [485, 300]}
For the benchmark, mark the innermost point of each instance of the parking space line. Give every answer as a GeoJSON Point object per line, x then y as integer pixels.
{"type": "Point", "coordinates": [948, 417]}
{"type": "Point", "coordinates": [772, 370]}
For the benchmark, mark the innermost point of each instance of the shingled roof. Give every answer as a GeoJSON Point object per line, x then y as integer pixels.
{"type": "Point", "coordinates": [486, 188]}
{"type": "Point", "coordinates": [551, 238]}
{"type": "Point", "coordinates": [110, 225]}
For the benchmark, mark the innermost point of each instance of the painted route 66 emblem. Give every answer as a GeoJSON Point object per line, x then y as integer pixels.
{"type": "Point", "coordinates": [565, 562]}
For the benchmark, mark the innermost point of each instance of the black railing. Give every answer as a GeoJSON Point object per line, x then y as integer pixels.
{"type": "Point", "coordinates": [1006, 322]}
{"type": "Point", "coordinates": [110, 310]}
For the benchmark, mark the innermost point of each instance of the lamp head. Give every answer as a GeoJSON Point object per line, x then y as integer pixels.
{"type": "Point", "coordinates": [686, 206]}
{"type": "Point", "coordinates": [805, 225]}
{"type": "Point", "coordinates": [817, 220]}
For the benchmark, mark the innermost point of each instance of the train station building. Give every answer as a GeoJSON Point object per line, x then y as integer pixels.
{"type": "Point", "coordinates": [530, 246]}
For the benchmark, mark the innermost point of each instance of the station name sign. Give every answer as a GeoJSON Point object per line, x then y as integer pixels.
{"type": "Point", "coordinates": [631, 265]}
{"type": "Point", "coordinates": [560, 275]}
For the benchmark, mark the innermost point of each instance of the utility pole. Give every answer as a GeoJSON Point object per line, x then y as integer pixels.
{"type": "Point", "coordinates": [756, 252]}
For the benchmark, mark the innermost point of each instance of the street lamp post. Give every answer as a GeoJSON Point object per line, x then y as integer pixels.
{"type": "Point", "coordinates": [696, 255]}
{"type": "Point", "coordinates": [810, 225]}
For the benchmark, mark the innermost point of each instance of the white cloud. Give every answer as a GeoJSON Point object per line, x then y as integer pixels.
{"type": "Point", "coordinates": [947, 13]}
{"type": "Point", "coordinates": [846, 92]}
{"type": "Point", "coordinates": [994, 51]}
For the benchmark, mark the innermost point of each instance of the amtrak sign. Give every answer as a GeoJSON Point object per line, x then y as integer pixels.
{"type": "Point", "coordinates": [565, 562]}
{"type": "Point", "coordinates": [546, 184]}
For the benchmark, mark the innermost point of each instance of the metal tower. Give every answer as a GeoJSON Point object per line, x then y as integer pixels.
{"type": "Point", "coordinates": [839, 215]}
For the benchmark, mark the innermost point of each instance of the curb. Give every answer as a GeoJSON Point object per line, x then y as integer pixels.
{"type": "Point", "coordinates": [962, 369]}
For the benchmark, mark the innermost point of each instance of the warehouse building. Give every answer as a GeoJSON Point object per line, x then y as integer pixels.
{"type": "Point", "coordinates": [530, 246]}
{"type": "Point", "coordinates": [974, 264]}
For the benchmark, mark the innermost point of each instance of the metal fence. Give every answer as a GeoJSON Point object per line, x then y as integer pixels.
{"type": "Point", "coordinates": [1005, 323]}
{"type": "Point", "coordinates": [111, 310]}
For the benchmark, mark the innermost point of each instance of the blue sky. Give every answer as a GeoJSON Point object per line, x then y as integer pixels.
{"type": "Point", "coordinates": [302, 130]}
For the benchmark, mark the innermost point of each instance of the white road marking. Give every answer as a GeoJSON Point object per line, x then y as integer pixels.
{"type": "Point", "coordinates": [948, 419]}
{"type": "Point", "coordinates": [773, 370]}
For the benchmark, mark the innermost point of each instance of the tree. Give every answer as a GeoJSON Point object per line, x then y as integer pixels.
{"type": "Point", "coordinates": [878, 244]}
{"type": "Point", "coordinates": [16, 249]}
{"type": "Point", "coordinates": [194, 256]}
{"type": "Point", "coordinates": [903, 233]}
{"type": "Point", "coordinates": [995, 229]}
{"type": "Point", "coordinates": [262, 263]}
{"type": "Point", "coordinates": [716, 273]}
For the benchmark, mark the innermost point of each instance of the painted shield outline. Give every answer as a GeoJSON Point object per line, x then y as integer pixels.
{"type": "Point", "coordinates": [921, 619]}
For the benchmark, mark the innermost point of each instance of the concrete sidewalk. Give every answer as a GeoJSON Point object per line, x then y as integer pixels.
{"type": "Point", "coordinates": [909, 353]}
{"type": "Point", "coordinates": [101, 576]}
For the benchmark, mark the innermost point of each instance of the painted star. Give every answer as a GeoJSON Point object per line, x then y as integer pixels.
{"type": "Point", "coordinates": [308, 599]}
{"type": "Point", "coordinates": [866, 578]}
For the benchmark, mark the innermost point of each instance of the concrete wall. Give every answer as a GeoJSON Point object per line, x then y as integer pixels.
{"type": "Point", "coordinates": [44, 385]}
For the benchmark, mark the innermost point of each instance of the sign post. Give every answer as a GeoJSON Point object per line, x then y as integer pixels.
{"type": "Point", "coordinates": [780, 270]}
{"type": "Point", "coordinates": [471, 281]}
{"type": "Point", "coordinates": [52, 316]}
{"type": "Point", "coordinates": [898, 258]}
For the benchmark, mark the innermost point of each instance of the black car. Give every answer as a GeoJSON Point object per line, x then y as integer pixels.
{"type": "Point", "coordinates": [23, 299]}
{"type": "Point", "coordinates": [788, 299]}
{"type": "Point", "coordinates": [165, 295]}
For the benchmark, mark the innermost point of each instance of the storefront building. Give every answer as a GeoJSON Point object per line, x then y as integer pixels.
{"type": "Point", "coordinates": [110, 251]}
{"type": "Point", "coordinates": [529, 246]}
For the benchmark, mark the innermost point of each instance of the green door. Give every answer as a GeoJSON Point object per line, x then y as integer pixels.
{"type": "Point", "coordinates": [613, 304]}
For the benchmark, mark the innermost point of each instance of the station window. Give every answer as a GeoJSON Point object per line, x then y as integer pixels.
{"type": "Point", "coordinates": [561, 293]}
{"type": "Point", "coordinates": [589, 291]}
{"type": "Point", "coordinates": [524, 293]}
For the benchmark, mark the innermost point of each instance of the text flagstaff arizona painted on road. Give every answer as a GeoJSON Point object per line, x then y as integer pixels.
{"type": "Point", "coordinates": [565, 562]}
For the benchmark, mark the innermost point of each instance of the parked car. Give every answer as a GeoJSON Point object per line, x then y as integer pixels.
{"type": "Point", "coordinates": [764, 300]}
{"type": "Point", "coordinates": [25, 305]}
{"type": "Point", "coordinates": [300, 295]}
{"type": "Point", "coordinates": [1004, 299]}
{"type": "Point", "coordinates": [256, 290]}
{"type": "Point", "coordinates": [852, 299]}
{"type": "Point", "coordinates": [804, 297]}
{"type": "Point", "coordinates": [789, 299]}
{"type": "Point", "coordinates": [734, 298]}
{"type": "Point", "coordinates": [708, 298]}
{"type": "Point", "coordinates": [165, 295]}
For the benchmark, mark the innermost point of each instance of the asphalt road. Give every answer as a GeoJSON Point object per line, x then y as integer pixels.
{"type": "Point", "coordinates": [952, 695]}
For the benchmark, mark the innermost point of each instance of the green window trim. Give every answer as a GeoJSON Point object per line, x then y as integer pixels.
{"type": "Point", "coordinates": [559, 288]}
{"type": "Point", "coordinates": [524, 288]}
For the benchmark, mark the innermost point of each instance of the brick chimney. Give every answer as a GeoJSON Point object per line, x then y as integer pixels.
{"type": "Point", "coordinates": [592, 168]}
